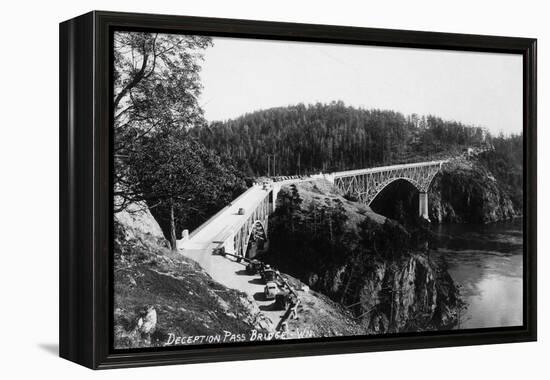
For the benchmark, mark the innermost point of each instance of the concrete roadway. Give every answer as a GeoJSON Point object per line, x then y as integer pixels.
{"type": "Point", "coordinates": [226, 270]}
{"type": "Point", "coordinates": [226, 221]}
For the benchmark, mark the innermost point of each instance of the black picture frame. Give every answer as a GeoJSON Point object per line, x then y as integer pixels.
{"type": "Point", "coordinates": [85, 187]}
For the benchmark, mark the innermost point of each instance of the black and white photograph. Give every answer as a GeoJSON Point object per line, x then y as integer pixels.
{"type": "Point", "coordinates": [274, 190]}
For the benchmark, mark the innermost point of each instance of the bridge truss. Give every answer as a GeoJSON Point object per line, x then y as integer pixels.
{"type": "Point", "coordinates": [254, 227]}
{"type": "Point", "coordinates": [366, 184]}
{"type": "Point", "coordinates": [245, 219]}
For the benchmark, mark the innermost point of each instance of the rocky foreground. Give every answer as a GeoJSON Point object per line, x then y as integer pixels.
{"type": "Point", "coordinates": [466, 191]}
{"type": "Point", "coordinates": [162, 298]}
{"type": "Point", "coordinates": [161, 295]}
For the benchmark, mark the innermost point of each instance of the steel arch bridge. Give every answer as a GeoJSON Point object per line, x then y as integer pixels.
{"type": "Point", "coordinates": [365, 184]}
{"type": "Point", "coordinates": [245, 219]}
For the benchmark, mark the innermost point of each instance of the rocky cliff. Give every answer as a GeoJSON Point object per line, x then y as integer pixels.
{"type": "Point", "coordinates": [412, 294]}
{"type": "Point", "coordinates": [467, 192]}
{"type": "Point", "coordinates": [377, 269]}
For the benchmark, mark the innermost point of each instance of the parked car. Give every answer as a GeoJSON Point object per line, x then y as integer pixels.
{"type": "Point", "coordinates": [285, 299]}
{"type": "Point", "coordinates": [219, 251]}
{"type": "Point", "coordinates": [253, 267]}
{"type": "Point", "coordinates": [271, 290]}
{"type": "Point", "coordinates": [241, 211]}
{"type": "Point", "coordinates": [269, 275]}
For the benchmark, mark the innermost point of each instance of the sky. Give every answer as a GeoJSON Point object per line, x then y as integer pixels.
{"type": "Point", "coordinates": [244, 75]}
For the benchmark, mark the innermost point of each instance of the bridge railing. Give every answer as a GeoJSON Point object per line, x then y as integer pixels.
{"type": "Point", "coordinates": [224, 209]}
{"type": "Point", "coordinates": [379, 169]}
{"type": "Point", "coordinates": [328, 176]}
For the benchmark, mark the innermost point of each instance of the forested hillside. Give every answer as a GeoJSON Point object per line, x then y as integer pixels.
{"type": "Point", "coordinates": [485, 188]}
{"type": "Point", "coordinates": [505, 162]}
{"type": "Point", "coordinates": [167, 157]}
{"type": "Point", "coordinates": [303, 139]}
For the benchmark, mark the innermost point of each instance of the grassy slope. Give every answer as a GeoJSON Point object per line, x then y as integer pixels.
{"type": "Point", "coordinates": [187, 301]}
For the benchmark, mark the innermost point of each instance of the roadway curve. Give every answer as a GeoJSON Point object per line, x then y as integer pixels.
{"type": "Point", "coordinates": [226, 270]}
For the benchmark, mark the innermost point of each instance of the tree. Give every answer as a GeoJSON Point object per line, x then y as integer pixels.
{"type": "Point", "coordinates": [157, 163]}
{"type": "Point", "coordinates": [156, 88]}
{"type": "Point", "coordinates": [181, 181]}
{"type": "Point", "coordinates": [302, 139]}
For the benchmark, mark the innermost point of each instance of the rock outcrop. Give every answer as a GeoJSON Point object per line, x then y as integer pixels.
{"type": "Point", "coordinates": [467, 192]}
{"type": "Point", "coordinates": [378, 270]}
{"type": "Point", "coordinates": [410, 295]}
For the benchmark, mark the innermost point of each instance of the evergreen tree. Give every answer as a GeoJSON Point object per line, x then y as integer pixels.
{"type": "Point", "coordinates": [332, 137]}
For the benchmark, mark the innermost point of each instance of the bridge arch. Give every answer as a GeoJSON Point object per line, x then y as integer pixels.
{"type": "Point", "coordinates": [381, 187]}
{"type": "Point", "coordinates": [257, 231]}
{"type": "Point", "coordinates": [366, 184]}
{"type": "Point", "coordinates": [431, 180]}
{"type": "Point", "coordinates": [398, 199]}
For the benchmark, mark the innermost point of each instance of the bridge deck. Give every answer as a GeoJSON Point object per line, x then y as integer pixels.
{"type": "Point", "coordinates": [227, 221]}
{"type": "Point", "coordinates": [379, 169]}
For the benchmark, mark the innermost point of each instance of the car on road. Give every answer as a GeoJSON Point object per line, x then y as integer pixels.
{"type": "Point", "coordinates": [271, 290]}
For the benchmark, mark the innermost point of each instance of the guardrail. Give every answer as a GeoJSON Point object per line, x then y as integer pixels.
{"type": "Point", "coordinates": [378, 169]}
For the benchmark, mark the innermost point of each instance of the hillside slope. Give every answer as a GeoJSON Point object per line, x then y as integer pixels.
{"type": "Point", "coordinates": [169, 293]}
{"type": "Point", "coordinates": [306, 139]}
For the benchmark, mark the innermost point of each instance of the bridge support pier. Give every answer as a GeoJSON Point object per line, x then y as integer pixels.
{"type": "Point", "coordinates": [423, 205]}
{"type": "Point", "coordinates": [275, 191]}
